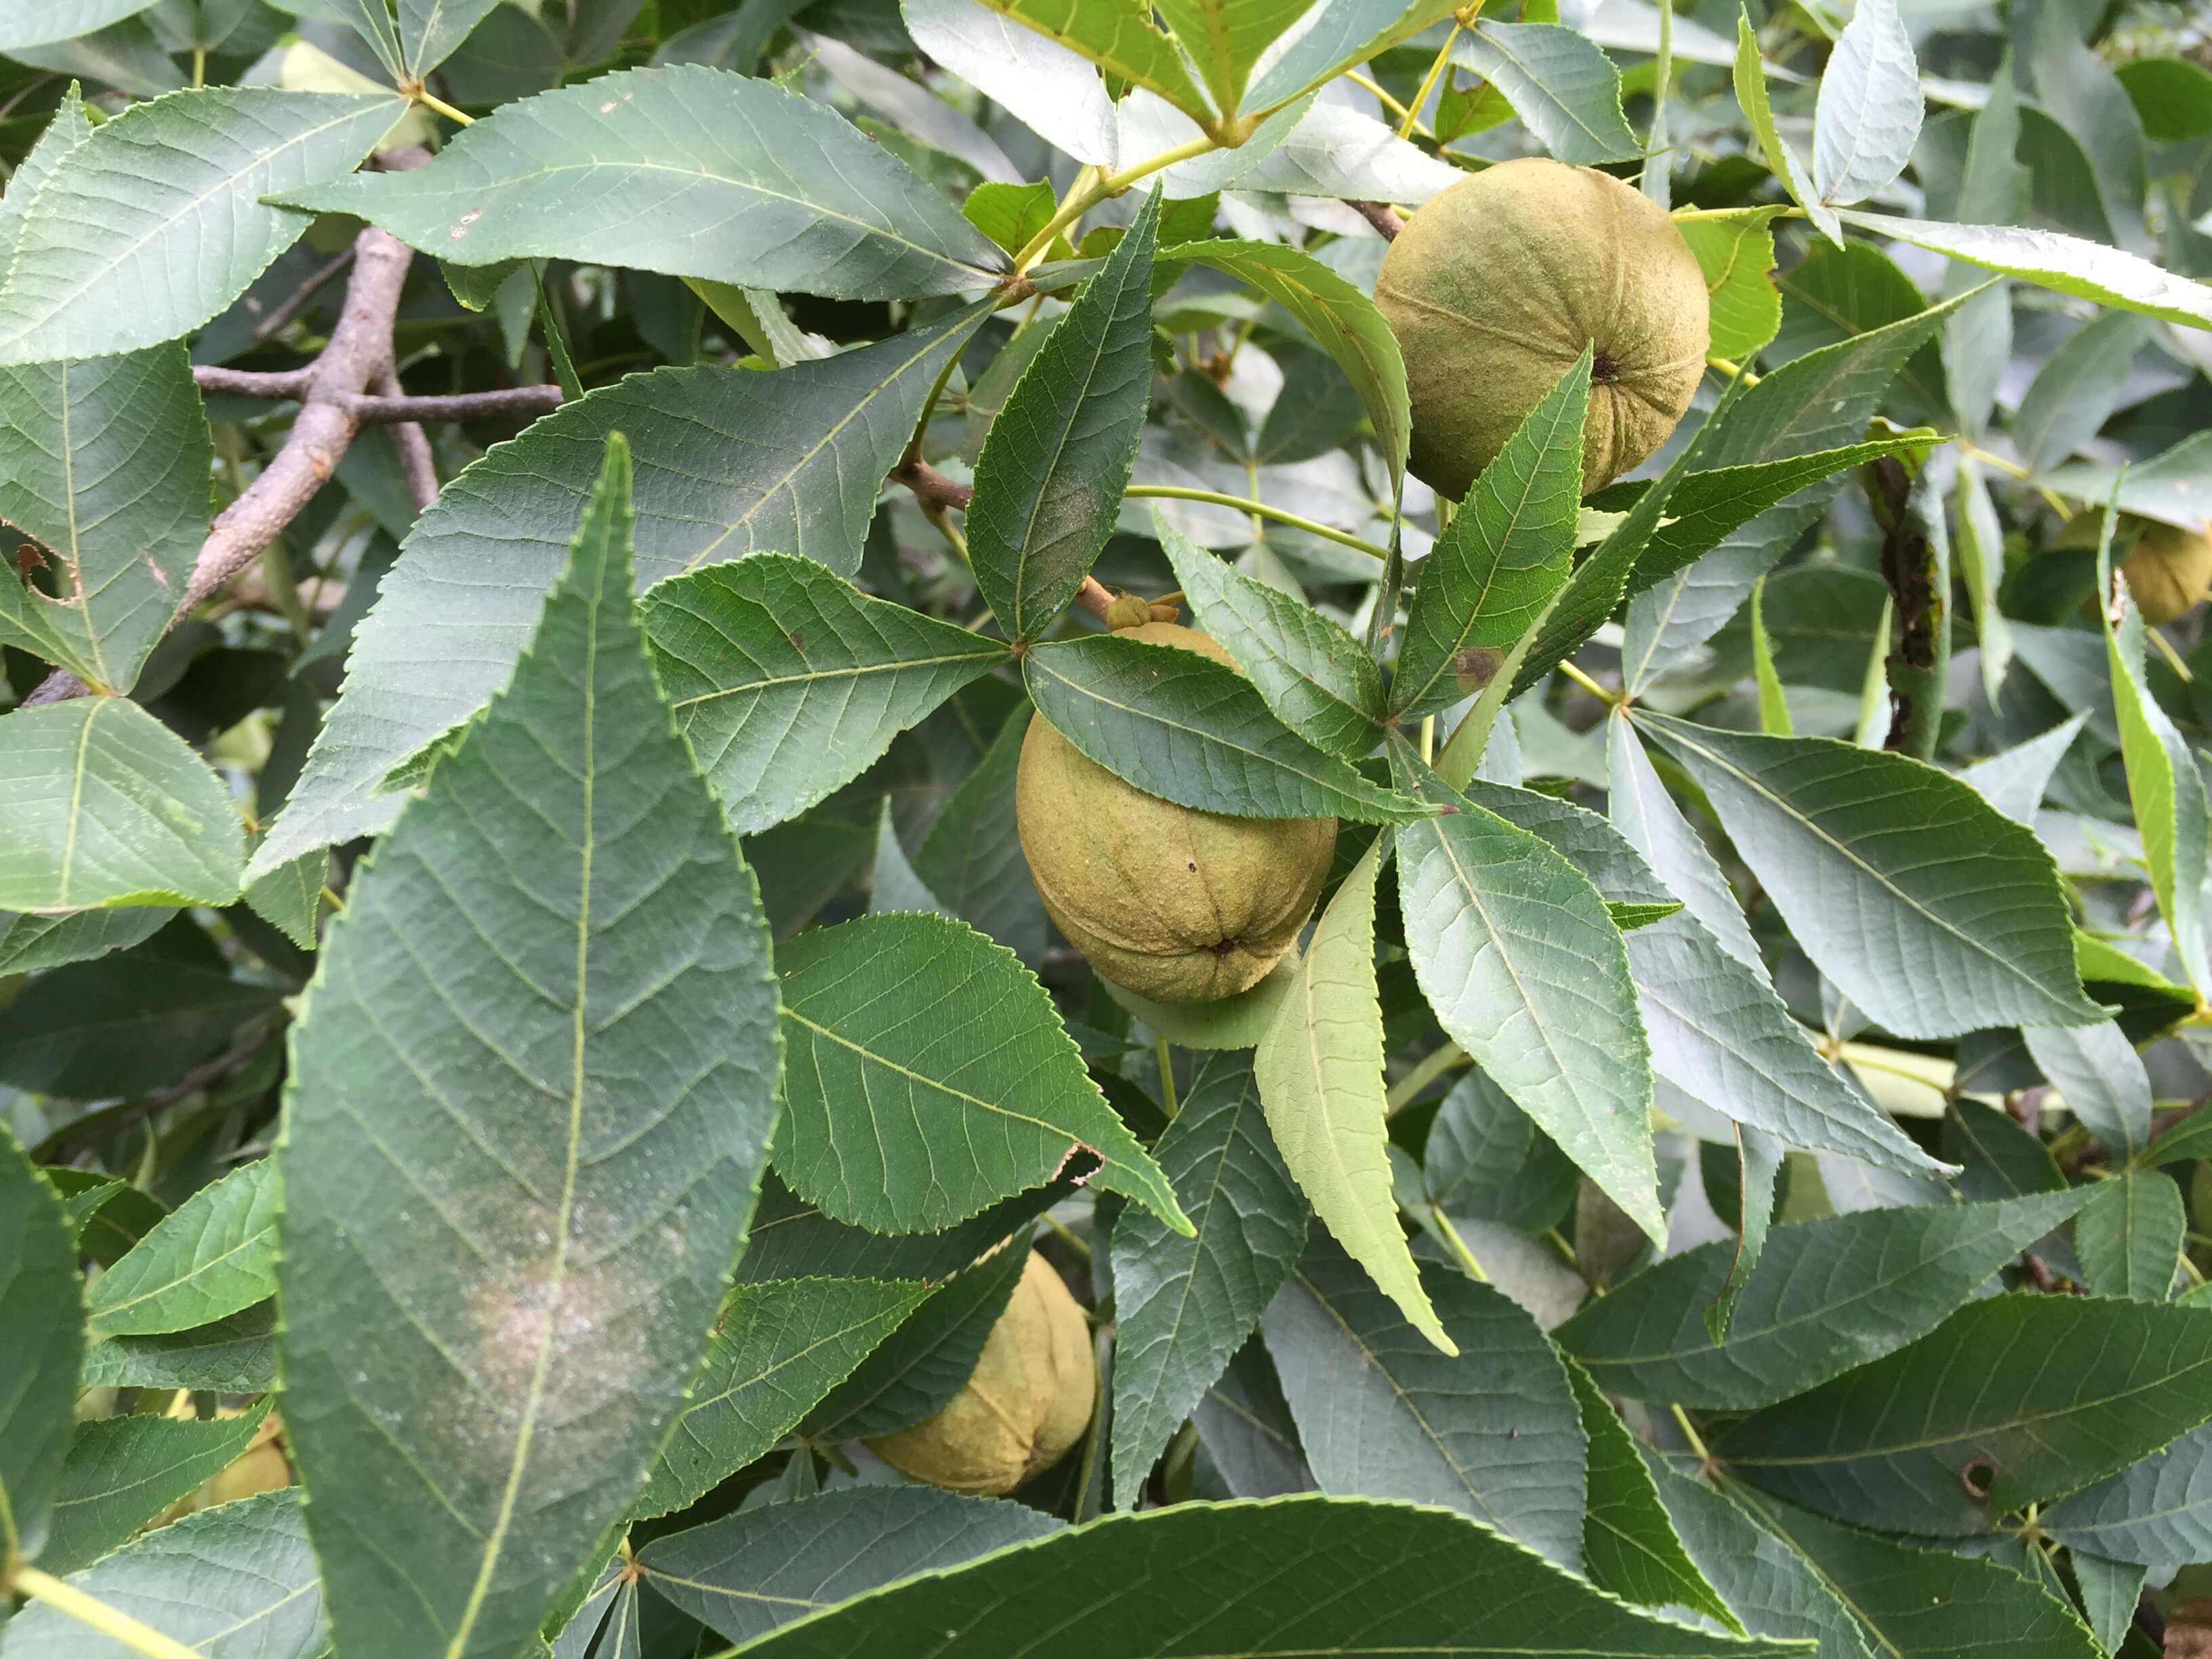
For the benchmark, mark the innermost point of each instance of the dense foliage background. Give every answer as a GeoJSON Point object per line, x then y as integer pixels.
{"type": "Point", "coordinates": [539, 529]}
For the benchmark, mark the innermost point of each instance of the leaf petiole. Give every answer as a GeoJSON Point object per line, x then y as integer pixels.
{"type": "Point", "coordinates": [1258, 510]}
{"type": "Point", "coordinates": [1081, 199]}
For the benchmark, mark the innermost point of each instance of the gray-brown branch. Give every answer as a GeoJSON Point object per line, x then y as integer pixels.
{"type": "Point", "coordinates": [937, 493]}
{"type": "Point", "coordinates": [1381, 215]}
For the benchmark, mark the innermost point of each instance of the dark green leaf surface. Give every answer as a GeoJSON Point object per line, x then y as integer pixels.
{"type": "Point", "coordinates": [1315, 677]}
{"type": "Point", "coordinates": [567, 1130]}
{"type": "Point", "coordinates": [790, 1238]}
{"type": "Point", "coordinates": [1494, 571]}
{"type": "Point", "coordinates": [972, 864]}
{"type": "Point", "coordinates": [790, 682]}
{"type": "Point", "coordinates": [915, 1372]}
{"type": "Point", "coordinates": [779, 1348]}
{"type": "Point", "coordinates": [122, 1026]}
{"type": "Point", "coordinates": [1628, 1545]}
{"type": "Point", "coordinates": [121, 1472]}
{"type": "Point", "coordinates": [1930, 1604]}
{"type": "Point", "coordinates": [1048, 483]}
{"type": "Point", "coordinates": [40, 1300]}
{"type": "Point", "coordinates": [1826, 1296]}
{"type": "Point", "coordinates": [1184, 1306]}
{"type": "Point", "coordinates": [2129, 1235]}
{"type": "Point", "coordinates": [215, 1256]}
{"type": "Point", "coordinates": [2158, 1513]}
{"type": "Point", "coordinates": [29, 943]}
{"type": "Point", "coordinates": [235, 1581]}
{"type": "Point", "coordinates": [727, 463]}
{"type": "Point", "coordinates": [1563, 86]}
{"type": "Point", "coordinates": [2025, 1397]}
{"type": "Point", "coordinates": [1526, 971]}
{"type": "Point", "coordinates": [900, 1116]}
{"type": "Point", "coordinates": [1867, 856]}
{"type": "Point", "coordinates": [1293, 1577]}
{"type": "Point", "coordinates": [233, 1355]}
{"type": "Point", "coordinates": [748, 1573]}
{"type": "Point", "coordinates": [109, 806]}
{"type": "Point", "coordinates": [683, 169]}
{"type": "Point", "coordinates": [1494, 1432]}
{"type": "Point", "coordinates": [1186, 728]}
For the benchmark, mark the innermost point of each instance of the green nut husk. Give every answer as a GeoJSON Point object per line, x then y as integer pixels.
{"type": "Point", "coordinates": [1026, 1405]}
{"type": "Point", "coordinates": [1173, 904]}
{"type": "Point", "coordinates": [1499, 283]}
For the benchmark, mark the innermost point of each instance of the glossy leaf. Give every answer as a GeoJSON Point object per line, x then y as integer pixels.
{"type": "Point", "coordinates": [1315, 677]}
{"type": "Point", "coordinates": [1825, 1296]}
{"type": "Point", "coordinates": [1339, 36]}
{"type": "Point", "coordinates": [1319, 1067]}
{"type": "Point", "coordinates": [2102, 1079]}
{"type": "Point", "coordinates": [1644, 812]}
{"type": "Point", "coordinates": [111, 807]}
{"type": "Point", "coordinates": [1184, 1306]}
{"type": "Point", "coordinates": [40, 1300]}
{"type": "Point", "coordinates": [231, 1581]}
{"type": "Point", "coordinates": [603, 1036]}
{"type": "Point", "coordinates": [1494, 571]}
{"type": "Point", "coordinates": [1735, 251]}
{"type": "Point", "coordinates": [1563, 86]}
{"type": "Point", "coordinates": [789, 683]}
{"type": "Point", "coordinates": [2051, 259]}
{"type": "Point", "coordinates": [779, 1347]}
{"type": "Point", "coordinates": [1908, 1442]}
{"type": "Point", "coordinates": [1048, 483]}
{"type": "Point", "coordinates": [1189, 730]}
{"type": "Point", "coordinates": [744, 1575]}
{"type": "Point", "coordinates": [1751, 94]}
{"type": "Point", "coordinates": [431, 30]}
{"type": "Point", "coordinates": [121, 1472]}
{"type": "Point", "coordinates": [1120, 37]}
{"type": "Point", "coordinates": [1057, 92]}
{"type": "Point", "coordinates": [29, 943]}
{"type": "Point", "coordinates": [908, 1035]}
{"type": "Point", "coordinates": [1868, 115]}
{"type": "Point", "coordinates": [155, 222]}
{"type": "Point", "coordinates": [216, 1255]}
{"type": "Point", "coordinates": [1525, 970]}
{"type": "Point", "coordinates": [727, 463]}
{"type": "Point", "coordinates": [1864, 854]}
{"type": "Point", "coordinates": [683, 169]}
{"type": "Point", "coordinates": [1493, 1431]}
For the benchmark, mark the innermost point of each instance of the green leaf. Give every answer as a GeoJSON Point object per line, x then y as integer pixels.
{"type": "Point", "coordinates": [173, 187]}
{"type": "Point", "coordinates": [779, 1348]}
{"type": "Point", "coordinates": [1316, 679]}
{"type": "Point", "coordinates": [1338, 35]}
{"type": "Point", "coordinates": [1735, 251]}
{"type": "Point", "coordinates": [1487, 1160]}
{"type": "Point", "coordinates": [1751, 94]}
{"type": "Point", "coordinates": [971, 863]}
{"type": "Point", "coordinates": [2173, 96]}
{"type": "Point", "coordinates": [691, 171]}
{"type": "Point", "coordinates": [729, 463]}
{"type": "Point", "coordinates": [111, 807]}
{"type": "Point", "coordinates": [234, 1580]}
{"type": "Point", "coordinates": [2110, 1591]}
{"type": "Point", "coordinates": [105, 1228]}
{"type": "Point", "coordinates": [1493, 1431]}
{"type": "Point", "coordinates": [1049, 481]}
{"type": "Point", "coordinates": [1564, 88]}
{"type": "Point", "coordinates": [2077, 388]}
{"type": "Point", "coordinates": [1266, 1581]}
{"type": "Point", "coordinates": [1225, 38]}
{"type": "Point", "coordinates": [1930, 1604]}
{"type": "Point", "coordinates": [1825, 1296]}
{"type": "Point", "coordinates": [1183, 1307]}
{"type": "Point", "coordinates": [513, 1190]}
{"type": "Point", "coordinates": [1120, 38]}
{"type": "Point", "coordinates": [1516, 953]}
{"type": "Point", "coordinates": [1237, 1022]}
{"type": "Point", "coordinates": [1772, 1587]}
{"type": "Point", "coordinates": [289, 897]}
{"type": "Point", "coordinates": [1629, 1545]}
{"type": "Point", "coordinates": [61, 20]}
{"type": "Point", "coordinates": [2188, 1138]}
{"type": "Point", "coordinates": [906, 1035]}
{"type": "Point", "coordinates": [2167, 791]}
{"type": "Point", "coordinates": [1495, 570]}
{"type": "Point", "coordinates": [1867, 855]}
{"type": "Point", "coordinates": [1773, 708]}
{"type": "Point", "coordinates": [2102, 1078]}
{"type": "Point", "coordinates": [2157, 1513]}
{"type": "Point", "coordinates": [2129, 1235]}
{"type": "Point", "coordinates": [2087, 269]}
{"type": "Point", "coordinates": [789, 683]}
{"type": "Point", "coordinates": [121, 1472]}
{"type": "Point", "coordinates": [1907, 1442]}
{"type": "Point", "coordinates": [234, 1355]}
{"type": "Point", "coordinates": [915, 1373]}
{"type": "Point", "coordinates": [1648, 816]}
{"type": "Point", "coordinates": [1868, 117]}
{"type": "Point", "coordinates": [1338, 316]}
{"type": "Point", "coordinates": [740, 1576]}
{"type": "Point", "coordinates": [790, 1238]}
{"type": "Point", "coordinates": [215, 1255]}
{"type": "Point", "coordinates": [1195, 731]}
{"type": "Point", "coordinates": [430, 31]}
{"type": "Point", "coordinates": [123, 1026]}
{"type": "Point", "coordinates": [29, 943]}
{"type": "Point", "coordinates": [40, 1302]}
{"type": "Point", "coordinates": [1320, 1070]}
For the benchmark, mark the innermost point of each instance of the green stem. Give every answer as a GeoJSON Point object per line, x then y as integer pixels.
{"type": "Point", "coordinates": [95, 1614]}
{"type": "Point", "coordinates": [1260, 509]}
{"type": "Point", "coordinates": [1167, 1077]}
{"type": "Point", "coordinates": [1081, 200]}
{"type": "Point", "coordinates": [1407, 1089]}
{"type": "Point", "coordinates": [1610, 699]}
{"type": "Point", "coordinates": [1458, 1245]}
{"type": "Point", "coordinates": [424, 97]}
{"type": "Point", "coordinates": [1429, 82]}
{"type": "Point", "coordinates": [1697, 1444]}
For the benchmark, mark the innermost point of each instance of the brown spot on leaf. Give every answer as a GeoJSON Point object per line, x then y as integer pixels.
{"type": "Point", "coordinates": [1474, 666]}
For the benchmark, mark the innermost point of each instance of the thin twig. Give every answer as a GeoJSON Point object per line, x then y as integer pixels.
{"type": "Point", "coordinates": [415, 460]}
{"type": "Point", "coordinates": [1381, 215]}
{"type": "Point", "coordinates": [395, 408]}
{"type": "Point", "coordinates": [937, 493]}
{"type": "Point", "coordinates": [251, 382]}
{"type": "Point", "coordinates": [232, 1059]}
{"type": "Point", "coordinates": [291, 304]}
